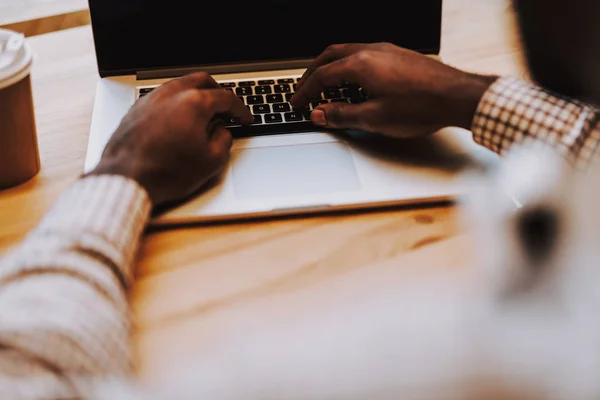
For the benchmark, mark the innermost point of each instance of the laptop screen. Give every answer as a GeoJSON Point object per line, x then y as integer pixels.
{"type": "Point", "coordinates": [136, 35]}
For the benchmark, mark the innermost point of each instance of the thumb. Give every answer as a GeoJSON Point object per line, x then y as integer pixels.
{"type": "Point", "coordinates": [220, 143]}
{"type": "Point", "coordinates": [343, 115]}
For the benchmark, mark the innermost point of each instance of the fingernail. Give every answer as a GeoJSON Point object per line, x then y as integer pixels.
{"type": "Point", "coordinates": [318, 117]}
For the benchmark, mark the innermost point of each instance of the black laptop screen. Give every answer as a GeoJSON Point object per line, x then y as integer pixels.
{"type": "Point", "coordinates": [134, 35]}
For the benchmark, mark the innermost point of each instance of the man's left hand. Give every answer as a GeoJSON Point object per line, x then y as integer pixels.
{"type": "Point", "coordinates": [174, 140]}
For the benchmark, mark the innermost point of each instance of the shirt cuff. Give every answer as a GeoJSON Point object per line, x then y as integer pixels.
{"type": "Point", "coordinates": [107, 207]}
{"type": "Point", "coordinates": [514, 111]}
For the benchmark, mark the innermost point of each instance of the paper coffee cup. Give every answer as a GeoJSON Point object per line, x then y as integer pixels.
{"type": "Point", "coordinates": [19, 155]}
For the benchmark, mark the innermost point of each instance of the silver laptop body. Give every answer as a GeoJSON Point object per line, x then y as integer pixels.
{"type": "Point", "coordinates": [290, 167]}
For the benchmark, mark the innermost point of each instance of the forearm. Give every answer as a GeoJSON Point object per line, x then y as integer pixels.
{"type": "Point", "coordinates": [513, 111]}
{"type": "Point", "coordinates": [63, 292]}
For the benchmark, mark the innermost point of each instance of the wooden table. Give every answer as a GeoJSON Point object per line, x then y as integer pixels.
{"type": "Point", "coordinates": [35, 17]}
{"type": "Point", "coordinates": [190, 279]}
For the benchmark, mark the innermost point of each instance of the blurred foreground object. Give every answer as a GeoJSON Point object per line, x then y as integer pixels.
{"type": "Point", "coordinates": [540, 260]}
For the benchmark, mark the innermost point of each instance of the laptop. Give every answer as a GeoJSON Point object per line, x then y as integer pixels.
{"type": "Point", "coordinates": [281, 164]}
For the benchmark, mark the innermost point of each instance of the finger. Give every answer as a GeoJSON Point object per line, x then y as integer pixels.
{"type": "Point", "coordinates": [220, 144]}
{"type": "Point", "coordinates": [329, 75]}
{"type": "Point", "coordinates": [220, 101]}
{"type": "Point", "coordinates": [345, 116]}
{"type": "Point", "coordinates": [330, 54]}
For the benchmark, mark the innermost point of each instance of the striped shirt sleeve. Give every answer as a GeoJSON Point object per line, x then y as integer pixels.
{"type": "Point", "coordinates": [513, 111]}
{"type": "Point", "coordinates": [63, 293]}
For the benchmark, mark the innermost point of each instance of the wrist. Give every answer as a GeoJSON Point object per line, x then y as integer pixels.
{"type": "Point", "coordinates": [124, 168]}
{"type": "Point", "coordinates": [469, 93]}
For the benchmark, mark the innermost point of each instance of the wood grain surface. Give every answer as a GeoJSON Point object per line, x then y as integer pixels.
{"type": "Point", "coordinates": [36, 17]}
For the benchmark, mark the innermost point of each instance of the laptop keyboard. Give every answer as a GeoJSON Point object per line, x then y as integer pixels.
{"type": "Point", "coordinates": [268, 100]}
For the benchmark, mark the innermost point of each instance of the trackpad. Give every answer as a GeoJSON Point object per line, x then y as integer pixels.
{"type": "Point", "coordinates": [293, 170]}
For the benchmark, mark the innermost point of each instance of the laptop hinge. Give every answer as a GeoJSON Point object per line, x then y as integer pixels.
{"type": "Point", "coordinates": [222, 69]}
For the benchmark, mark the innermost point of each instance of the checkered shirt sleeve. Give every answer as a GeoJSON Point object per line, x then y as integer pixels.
{"type": "Point", "coordinates": [513, 111]}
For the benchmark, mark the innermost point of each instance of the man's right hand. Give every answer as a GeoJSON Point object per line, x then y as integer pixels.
{"type": "Point", "coordinates": [409, 94]}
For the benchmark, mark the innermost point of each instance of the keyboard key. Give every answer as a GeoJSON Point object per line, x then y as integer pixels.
{"type": "Point", "coordinates": [255, 99]}
{"type": "Point", "coordinates": [273, 118]}
{"type": "Point", "coordinates": [227, 84]}
{"type": "Point", "coordinates": [332, 94]}
{"type": "Point", "coordinates": [305, 111]}
{"type": "Point", "coordinates": [294, 87]}
{"type": "Point", "coordinates": [257, 119]}
{"type": "Point", "coordinates": [285, 80]}
{"type": "Point", "coordinates": [243, 91]}
{"type": "Point", "coordinates": [261, 109]}
{"type": "Point", "coordinates": [275, 128]}
{"type": "Point", "coordinates": [281, 107]}
{"type": "Point", "coordinates": [262, 90]}
{"type": "Point", "coordinates": [302, 108]}
{"type": "Point", "coordinates": [357, 99]}
{"type": "Point", "coordinates": [317, 103]}
{"type": "Point", "coordinates": [283, 88]}
{"type": "Point", "coordinates": [266, 82]}
{"type": "Point", "coordinates": [288, 96]}
{"type": "Point", "coordinates": [246, 83]}
{"type": "Point", "coordinates": [274, 98]}
{"type": "Point", "coordinates": [350, 92]}
{"type": "Point", "coordinates": [229, 89]}
{"type": "Point", "coordinates": [232, 122]}
{"type": "Point", "coordinates": [293, 116]}
{"type": "Point", "coordinates": [342, 100]}
{"type": "Point", "coordinates": [146, 90]}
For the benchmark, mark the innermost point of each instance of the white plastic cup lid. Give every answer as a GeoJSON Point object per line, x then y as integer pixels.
{"type": "Point", "coordinates": [15, 58]}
